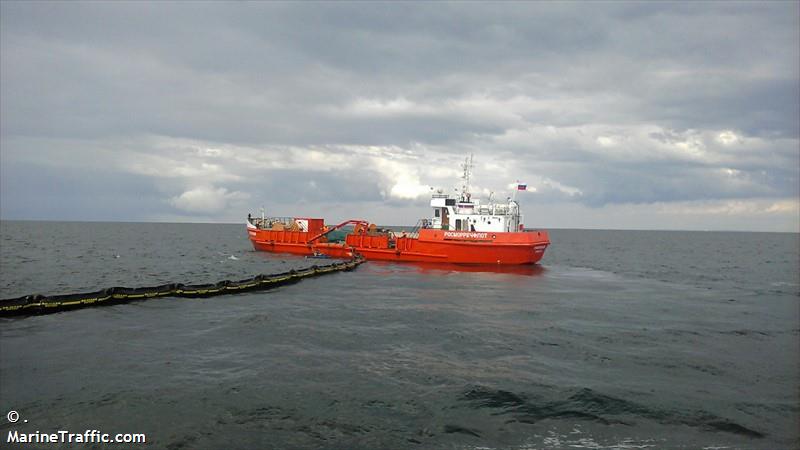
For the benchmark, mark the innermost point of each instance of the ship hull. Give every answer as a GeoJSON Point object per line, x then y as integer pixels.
{"type": "Point", "coordinates": [526, 247]}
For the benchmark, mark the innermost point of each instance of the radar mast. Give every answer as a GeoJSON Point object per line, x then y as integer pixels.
{"type": "Point", "coordinates": [467, 167]}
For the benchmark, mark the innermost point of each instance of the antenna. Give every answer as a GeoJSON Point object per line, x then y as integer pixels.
{"type": "Point", "coordinates": [467, 167]}
{"type": "Point", "coordinates": [514, 192]}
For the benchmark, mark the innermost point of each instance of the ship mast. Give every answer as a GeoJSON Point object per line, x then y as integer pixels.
{"type": "Point", "coordinates": [467, 167]}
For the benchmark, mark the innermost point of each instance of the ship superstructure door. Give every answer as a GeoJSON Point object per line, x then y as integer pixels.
{"type": "Point", "coordinates": [437, 218]}
{"type": "Point", "coordinates": [441, 211]}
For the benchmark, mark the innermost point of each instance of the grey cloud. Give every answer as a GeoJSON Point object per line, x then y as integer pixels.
{"type": "Point", "coordinates": [266, 75]}
{"type": "Point", "coordinates": [296, 187]}
{"type": "Point", "coordinates": [39, 192]}
{"type": "Point", "coordinates": [601, 184]}
{"type": "Point", "coordinates": [227, 65]}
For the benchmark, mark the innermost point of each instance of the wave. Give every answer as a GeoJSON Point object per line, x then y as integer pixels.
{"type": "Point", "coordinates": [586, 404]}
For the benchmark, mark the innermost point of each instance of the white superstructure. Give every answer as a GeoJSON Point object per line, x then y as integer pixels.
{"type": "Point", "coordinates": [467, 214]}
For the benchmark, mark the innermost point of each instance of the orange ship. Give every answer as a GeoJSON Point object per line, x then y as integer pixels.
{"type": "Point", "coordinates": [461, 231]}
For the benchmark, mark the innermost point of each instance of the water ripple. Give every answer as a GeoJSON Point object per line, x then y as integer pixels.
{"type": "Point", "coordinates": [588, 405]}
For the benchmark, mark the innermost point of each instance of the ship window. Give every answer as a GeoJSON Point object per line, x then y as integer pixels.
{"type": "Point", "coordinates": [436, 212]}
{"type": "Point", "coordinates": [458, 224]}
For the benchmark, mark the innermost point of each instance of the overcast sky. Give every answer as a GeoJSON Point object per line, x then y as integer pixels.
{"type": "Point", "coordinates": [617, 115]}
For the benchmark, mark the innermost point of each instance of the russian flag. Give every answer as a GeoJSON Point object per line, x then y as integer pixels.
{"type": "Point", "coordinates": [522, 186]}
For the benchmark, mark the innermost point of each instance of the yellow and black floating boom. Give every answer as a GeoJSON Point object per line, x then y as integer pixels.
{"type": "Point", "coordinates": [40, 304]}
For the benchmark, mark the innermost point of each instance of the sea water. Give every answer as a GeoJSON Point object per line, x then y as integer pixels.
{"type": "Point", "coordinates": [618, 339]}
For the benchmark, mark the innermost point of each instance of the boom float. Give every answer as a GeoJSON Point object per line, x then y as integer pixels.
{"type": "Point", "coordinates": [40, 304]}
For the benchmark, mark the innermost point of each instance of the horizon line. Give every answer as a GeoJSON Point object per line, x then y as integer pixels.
{"type": "Point", "coordinates": [397, 225]}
